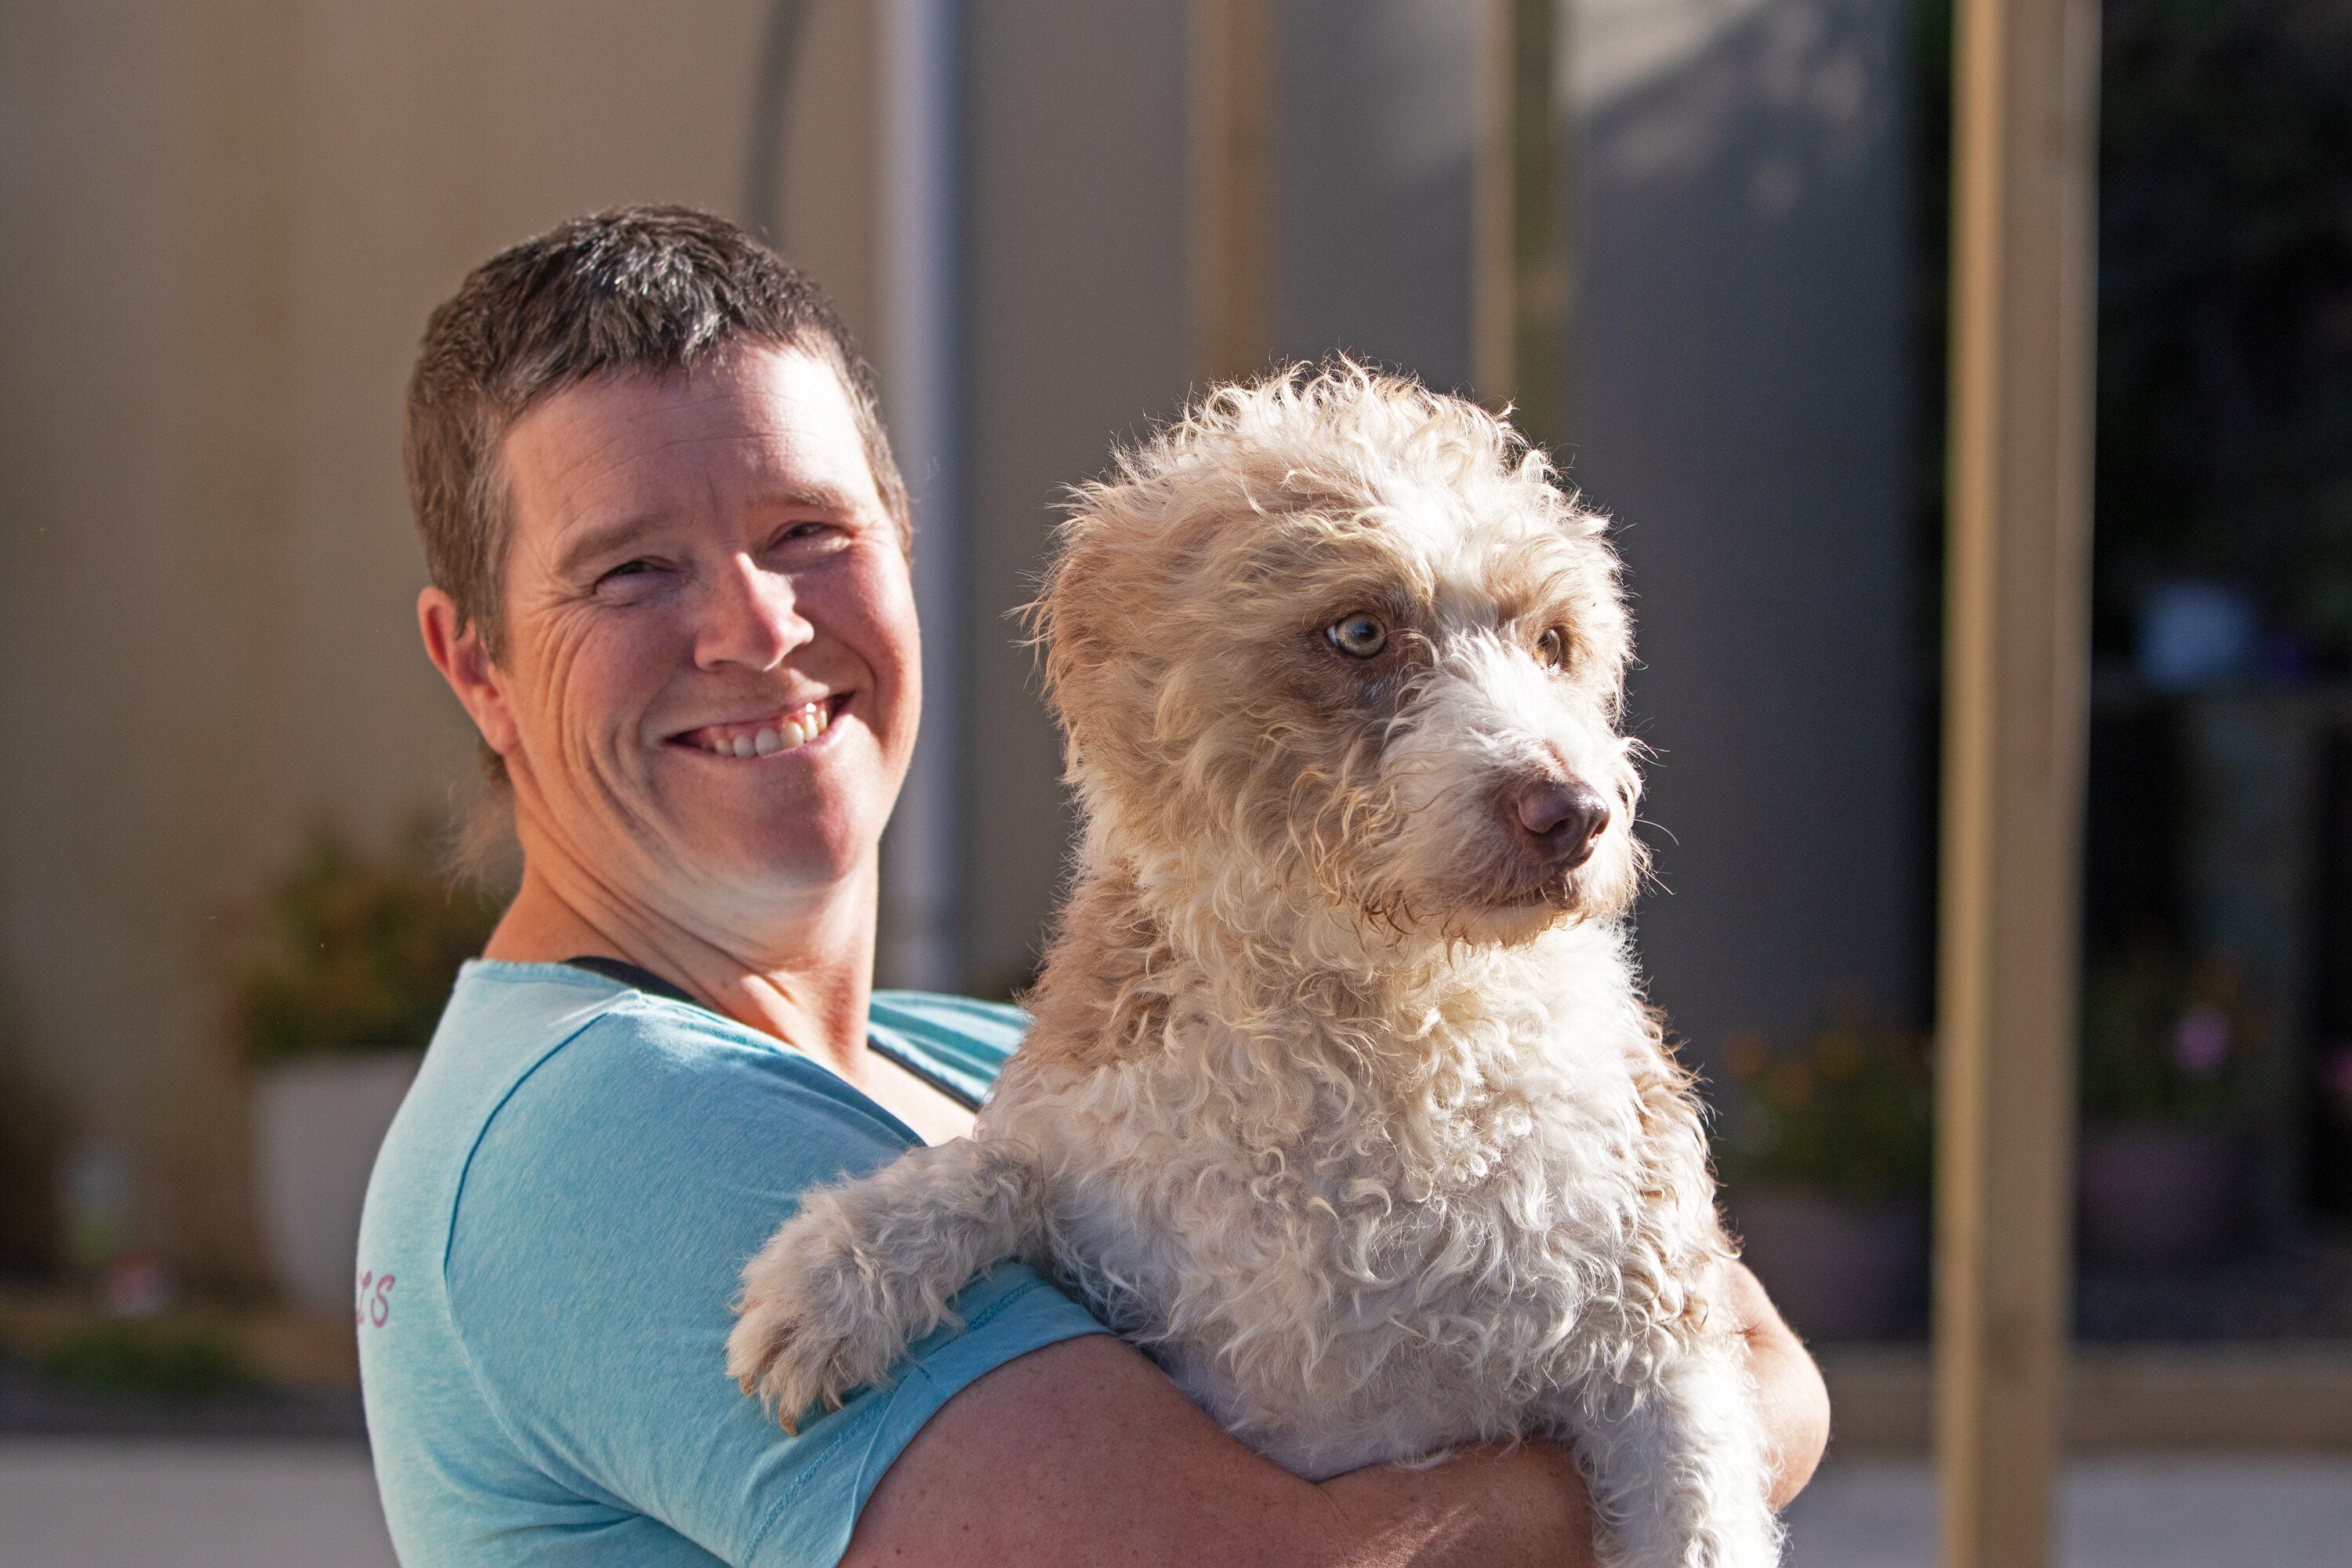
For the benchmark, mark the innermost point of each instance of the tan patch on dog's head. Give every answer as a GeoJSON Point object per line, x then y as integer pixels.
{"type": "Point", "coordinates": [1313, 645]}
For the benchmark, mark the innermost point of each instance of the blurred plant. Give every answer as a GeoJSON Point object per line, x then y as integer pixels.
{"type": "Point", "coordinates": [2167, 1040]}
{"type": "Point", "coordinates": [1847, 1110]}
{"type": "Point", "coordinates": [128, 1358]}
{"type": "Point", "coordinates": [359, 952]}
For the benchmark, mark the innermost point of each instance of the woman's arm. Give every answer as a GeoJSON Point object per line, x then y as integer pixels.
{"type": "Point", "coordinates": [1796, 1404]}
{"type": "Point", "coordinates": [1083, 1453]}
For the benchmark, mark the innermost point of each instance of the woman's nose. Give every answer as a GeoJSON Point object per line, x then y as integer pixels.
{"type": "Point", "coordinates": [751, 618]}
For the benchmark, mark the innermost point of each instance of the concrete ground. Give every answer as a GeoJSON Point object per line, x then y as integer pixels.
{"type": "Point", "coordinates": [89, 1504]}
{"type": "Point", "coordinates": [77, 1502]}
{"type": "Point", "coordinates": [2146, 1512]}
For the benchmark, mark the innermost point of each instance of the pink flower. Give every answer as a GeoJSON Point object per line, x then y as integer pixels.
{"type": "Point", "coordinates": [2202, 1043]}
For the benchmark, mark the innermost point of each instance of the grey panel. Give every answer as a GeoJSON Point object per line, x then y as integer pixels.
{"type": "Point", "coordinates": [1741, 328]}
{"type": "Point", "coordinates": [1740, 387]}
{"type": "Point", "coordinates": [1074, 180]}
{"type": "Point", "coordinates": [1372, 182]}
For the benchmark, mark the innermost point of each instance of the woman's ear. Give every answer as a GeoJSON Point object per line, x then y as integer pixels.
{"type": "Point", "coordinates": [454, 645]}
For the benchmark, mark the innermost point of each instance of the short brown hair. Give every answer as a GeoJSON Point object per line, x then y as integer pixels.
{"type": "Point", "coordinates": [646, 290]}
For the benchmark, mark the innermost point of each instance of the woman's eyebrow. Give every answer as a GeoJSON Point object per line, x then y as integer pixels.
{"type": "Point", "coordinates": [814, 498]}
{"type": "Point", "coordinates": [602, 540]}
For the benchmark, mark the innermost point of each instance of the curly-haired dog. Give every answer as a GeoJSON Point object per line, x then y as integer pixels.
{"type": "Point", "coordinates": [1341, 1096]}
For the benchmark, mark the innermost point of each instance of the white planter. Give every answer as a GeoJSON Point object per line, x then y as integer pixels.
{"type": "Point", "coordinates": [317, 1126]}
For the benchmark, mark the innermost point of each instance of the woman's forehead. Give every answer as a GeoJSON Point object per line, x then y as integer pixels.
{"type": "Point", "coordinates": [757, 421]}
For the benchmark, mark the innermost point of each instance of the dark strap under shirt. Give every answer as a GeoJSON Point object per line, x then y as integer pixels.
{"type": "Point", "coordinates": [638, 978]}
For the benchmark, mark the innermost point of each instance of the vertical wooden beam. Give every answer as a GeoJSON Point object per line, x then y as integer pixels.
{"type": "Point", "coordinates": [1229, 228]}
{"type": "Point", "coordinates": [1520, 249]}
{"type": "Point", "coordinates": [2025, 88]}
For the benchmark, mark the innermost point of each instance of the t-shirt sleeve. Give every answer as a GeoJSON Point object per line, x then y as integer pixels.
{"type": "Point", "coordinates": [597, 1243]}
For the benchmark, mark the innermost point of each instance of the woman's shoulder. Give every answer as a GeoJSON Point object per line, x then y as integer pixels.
{"type": "Point", "coordinates": [956, 1038]}
{"type": "Point", "coordinates": [575, 1076]}
{"type": "Point", "coordinates": [583, 1085]}
{"type": "Point", "coordinates": [650, 1058]}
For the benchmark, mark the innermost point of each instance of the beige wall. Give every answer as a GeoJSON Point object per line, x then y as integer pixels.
{"type": "Point", "coordinates": [221, 227]}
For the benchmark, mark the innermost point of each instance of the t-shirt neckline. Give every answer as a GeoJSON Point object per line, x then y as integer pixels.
{"type": "Point", "coordinates": [639, 978]}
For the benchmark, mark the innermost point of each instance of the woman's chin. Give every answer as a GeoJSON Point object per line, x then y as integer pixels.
{"type": "Point", "coordinates": [792, 860]}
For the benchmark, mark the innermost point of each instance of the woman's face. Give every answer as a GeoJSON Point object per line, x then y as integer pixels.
{"type": "Point", "coordinates": [710, 662]}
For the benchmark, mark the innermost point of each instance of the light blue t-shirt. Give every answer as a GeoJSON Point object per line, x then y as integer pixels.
{"type": "Point", "coordinates": [554, 1234]}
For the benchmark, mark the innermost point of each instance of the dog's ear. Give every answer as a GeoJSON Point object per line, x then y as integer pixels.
{"type": "Point", "coordinates": [1107, 613]}
{"type": "Point", "coordinates": [1057, 629]}
{"type": "Point", "coordinates": [1084, 622]}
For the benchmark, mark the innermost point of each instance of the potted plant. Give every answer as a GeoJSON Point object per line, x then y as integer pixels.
{"type": "Point", "coordinates": [1825, 1151]}
{"type": "Point", "coordinates": [355, 957]}
{"type": "Point", "coordinates": [2169, 1055]}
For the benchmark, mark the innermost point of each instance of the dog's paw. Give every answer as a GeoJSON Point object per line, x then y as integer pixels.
{"type": "Point", "coordinates": [809, 1327]}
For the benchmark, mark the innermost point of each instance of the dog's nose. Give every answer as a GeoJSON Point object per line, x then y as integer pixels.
{"type": "Point", "coordinates": [1563, 818]}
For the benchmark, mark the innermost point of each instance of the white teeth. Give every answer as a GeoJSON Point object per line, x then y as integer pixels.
{"type": "Point", "coordinates": [804, 725]}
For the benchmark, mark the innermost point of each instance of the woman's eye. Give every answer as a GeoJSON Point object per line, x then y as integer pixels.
{"type": "Point", "coordinates": [627, 569]}
{"type": "Point", "coordinates": [1552, 648]}
{"type": "Point", "coordinates": [1359, 635]}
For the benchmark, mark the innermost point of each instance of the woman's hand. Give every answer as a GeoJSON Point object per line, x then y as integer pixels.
{"type": "Point", "coordinates": [1788, 1388]}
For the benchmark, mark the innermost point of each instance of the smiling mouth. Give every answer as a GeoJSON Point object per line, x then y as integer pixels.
{"type": "Point", "coordinates": [765, 736]}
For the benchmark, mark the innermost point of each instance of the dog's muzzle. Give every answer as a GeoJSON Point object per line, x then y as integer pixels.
{"type": "Point", "coordinates": [1556, 821]}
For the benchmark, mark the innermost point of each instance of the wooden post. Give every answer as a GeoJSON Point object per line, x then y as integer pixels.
{"type": "Point", "coordinates": [1520, 253]}
{"type": "Point", "coordinates": [2016, 631]}
{"type": "Point", "coordinates": [1229, 227]}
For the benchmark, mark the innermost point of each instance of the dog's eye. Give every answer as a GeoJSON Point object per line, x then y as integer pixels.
{"type": "Point", "coordinates": [1359, 635]}
{"type": "Point", "coordinates": [1552, 648]}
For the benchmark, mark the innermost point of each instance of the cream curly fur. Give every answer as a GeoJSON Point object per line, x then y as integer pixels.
{"type": "Point", "coordinates": [1341, 1097]}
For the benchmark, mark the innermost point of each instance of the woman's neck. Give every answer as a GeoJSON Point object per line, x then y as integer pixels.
{"type": "Point", "coordinates": [805, 982]}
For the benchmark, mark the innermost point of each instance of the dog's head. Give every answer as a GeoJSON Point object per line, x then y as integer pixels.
{"type": "Point", "coordinates": [1338, 646]}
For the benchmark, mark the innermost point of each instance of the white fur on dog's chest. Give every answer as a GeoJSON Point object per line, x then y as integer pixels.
{"type": "Point", "coordinates": [1349, 1272]}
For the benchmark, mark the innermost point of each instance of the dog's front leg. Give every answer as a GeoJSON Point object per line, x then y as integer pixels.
{"type": "Point", "coordinates": [866, 1268]}
{"type": "Point", "coordinates": [1678, 1461]}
